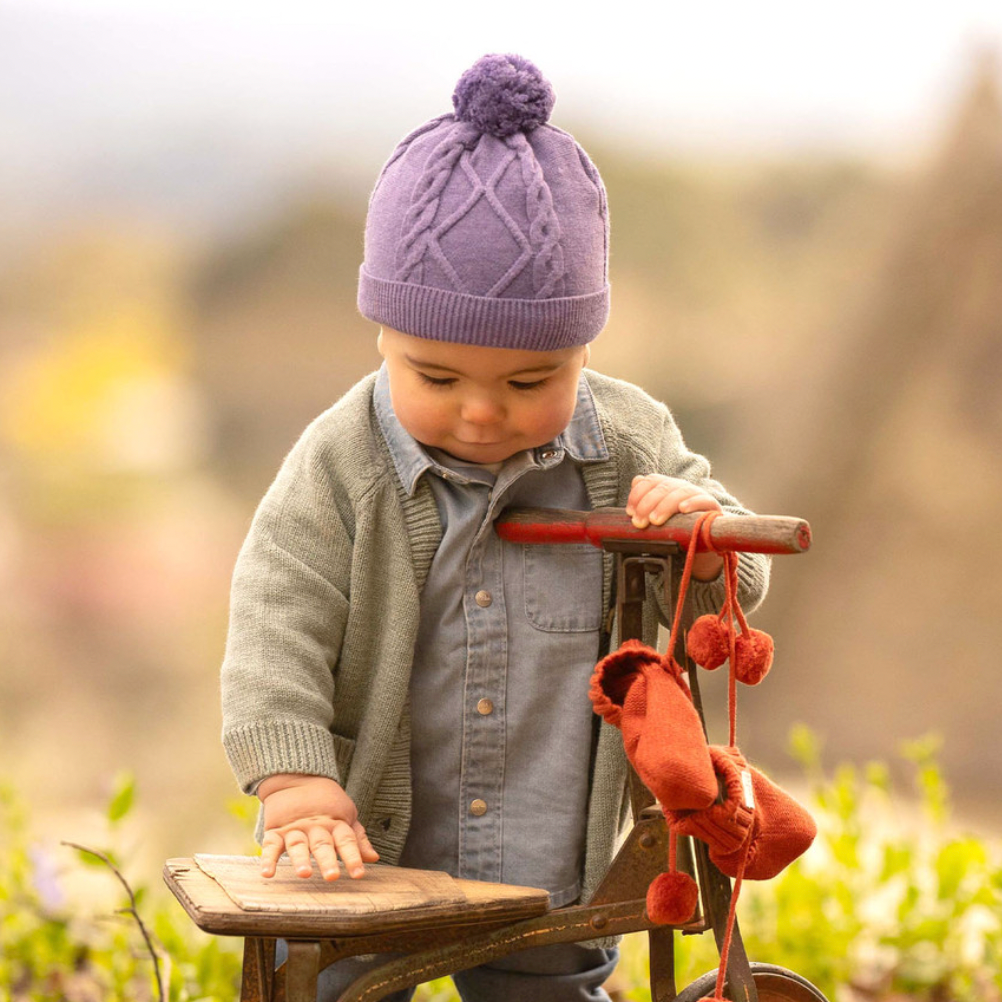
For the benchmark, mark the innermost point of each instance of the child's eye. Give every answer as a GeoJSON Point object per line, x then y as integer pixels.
{"type": "Point", "coordinates": [517, 384]}
{"type": "Point", "coordinates": [440, 382]}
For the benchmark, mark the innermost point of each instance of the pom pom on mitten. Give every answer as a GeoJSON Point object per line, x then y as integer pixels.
{"type": "Point", "coordinates": [672, 898]}
{"type": "Point", "coordinates": [752, 656]}
{"type": "Point", "coordinates": [707, 642]}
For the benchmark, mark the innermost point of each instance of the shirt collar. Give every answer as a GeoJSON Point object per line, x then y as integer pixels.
{"type": "Point", "coordinates": [582, 440]}
{"type": "Point", "coordinates": [583, 437]}
{"type": "Point", "coordinates": [409, 458]}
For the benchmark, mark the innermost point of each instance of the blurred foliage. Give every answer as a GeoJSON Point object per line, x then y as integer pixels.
{"type": "Point", "coordinates": [56, 947]}
{"type": "Point", "coordinates": [892, 901]}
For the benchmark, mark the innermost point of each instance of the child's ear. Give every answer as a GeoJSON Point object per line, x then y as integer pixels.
{"type": "Point", "coordinates": [587, 355]}
{"type": "Point", "coordinates": [379, 343]}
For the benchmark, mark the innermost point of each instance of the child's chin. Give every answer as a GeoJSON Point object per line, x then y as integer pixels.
{"type": "Point", "coordinates": [472, 452]}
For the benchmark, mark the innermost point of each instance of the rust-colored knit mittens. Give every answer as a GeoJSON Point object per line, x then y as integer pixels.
{"type": "Point", "coordinates": [752, 827]}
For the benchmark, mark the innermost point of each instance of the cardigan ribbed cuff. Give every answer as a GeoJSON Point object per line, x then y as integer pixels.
{"type": "Point", "coordinates": [259, 750]}
{"type": "Point", "coordinates": [753, 582]}
{"type": "Point", "coordinates": [488, 321]}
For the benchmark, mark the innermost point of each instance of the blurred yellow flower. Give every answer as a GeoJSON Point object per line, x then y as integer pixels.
{"type": "Point", "coordinates": [108, 393]}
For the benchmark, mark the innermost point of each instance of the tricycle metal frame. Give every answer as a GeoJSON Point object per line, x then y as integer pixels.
{"type": "Point", "coordinates": [420, 954]}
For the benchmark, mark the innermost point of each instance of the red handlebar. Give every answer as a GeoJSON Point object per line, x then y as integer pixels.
{"type": "Point", "coordinates": [742, 533]}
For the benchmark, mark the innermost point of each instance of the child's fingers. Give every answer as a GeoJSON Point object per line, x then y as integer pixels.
{"type": "Point", "coordinates": [347, 841]}
{"type": "Point", "coordinates": [369, 855]}
{"type": "Point", "coordinates": [655, 499]}
{"type": "Point", "coordinates": [667, 504]}
{"type": "Point", "coordinates": [272, 846]}
{"type": "Point", "coordinates": [683, 499]}
{"type": "Point", "coordinates": [640, 501]}
{"type": "Point", "coordinates": [322, 847]}
{"type": "Point", "coordinates": [638, 489]}
{"type": "Point", "coordinates": [297, 845]}
{"type": "Point", "coordinates": [699, 502]}
{"type": "Point", "coordinates": [348, 848]}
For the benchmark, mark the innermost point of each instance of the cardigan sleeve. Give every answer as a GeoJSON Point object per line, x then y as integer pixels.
{"type": "Point", "coordinates": [676, 460]}
{"type": "Point", "coordinates": [288, 610]}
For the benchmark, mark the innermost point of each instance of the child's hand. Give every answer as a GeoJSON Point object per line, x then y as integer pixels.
{"type": "Point", "coordinates": [312, 815]}
{"type": "Point", "coordinates": [655, 498]}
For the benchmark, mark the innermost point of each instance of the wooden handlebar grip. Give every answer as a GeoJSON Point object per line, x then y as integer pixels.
{"type": "Point", "coordinates": [741, 533]}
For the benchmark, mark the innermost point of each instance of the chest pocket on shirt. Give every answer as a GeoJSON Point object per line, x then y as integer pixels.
{"type": "Point", "coordinates": [563, 587]}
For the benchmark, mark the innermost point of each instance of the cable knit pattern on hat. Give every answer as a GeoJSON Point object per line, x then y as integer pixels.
{"type": "Point", "coordinates": [427, 195]}
{"type": "Point", "coordinates": [544, 226]}
{"type": "Point", "coordinates": [489, 226]}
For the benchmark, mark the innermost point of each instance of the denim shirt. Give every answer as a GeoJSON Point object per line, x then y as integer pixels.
{"type": "Point", "coordinates": [501, 724]}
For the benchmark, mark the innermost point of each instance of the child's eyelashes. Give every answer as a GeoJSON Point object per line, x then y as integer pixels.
{"type": "Point", "coordinates": [439, 382]}
{"type": "Point", "coordinates": [444, 382]}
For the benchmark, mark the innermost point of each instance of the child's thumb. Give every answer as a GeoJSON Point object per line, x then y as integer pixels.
{"type": "Point", "coordinates": [365, 846]}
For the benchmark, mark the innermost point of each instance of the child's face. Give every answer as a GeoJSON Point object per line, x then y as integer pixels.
{"type": "Point", "coordinates": [480, 404]}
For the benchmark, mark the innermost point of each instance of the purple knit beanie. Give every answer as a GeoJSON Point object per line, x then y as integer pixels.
{"type": "Point", "coordinates": [488, 226]}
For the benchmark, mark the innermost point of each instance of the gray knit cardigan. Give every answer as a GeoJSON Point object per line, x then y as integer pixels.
{"type": "Point", "coordinates": [325, 607]}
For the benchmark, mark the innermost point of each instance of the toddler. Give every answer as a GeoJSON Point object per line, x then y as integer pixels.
{"type": "Point", "coordinates": [400, 684]}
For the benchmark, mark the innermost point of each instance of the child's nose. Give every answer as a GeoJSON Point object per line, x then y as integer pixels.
{"type": "Point", "coordinates": [482, 409]}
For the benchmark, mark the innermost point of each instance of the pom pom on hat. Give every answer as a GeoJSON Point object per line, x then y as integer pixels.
{"type": "Point", "coordinates": [672, 898]}
{"type": "Point", "coordinates": [502, 95]}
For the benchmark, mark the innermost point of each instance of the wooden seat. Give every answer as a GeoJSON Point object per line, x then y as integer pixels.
{"type": "Point", "coordinates": [226, 895]}
{"type": "Point", "coordinates": [437, 923]}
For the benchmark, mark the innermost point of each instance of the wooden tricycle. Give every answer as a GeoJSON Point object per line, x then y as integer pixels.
{"type": "Point", "coordinates": [430, 924]}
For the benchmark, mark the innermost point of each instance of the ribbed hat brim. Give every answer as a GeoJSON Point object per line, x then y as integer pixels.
{"type": "Point", "coordinates": [443, 315]}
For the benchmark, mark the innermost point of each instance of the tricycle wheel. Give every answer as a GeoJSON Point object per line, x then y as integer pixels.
{"type": "Point", "coordinates": [774, 984]}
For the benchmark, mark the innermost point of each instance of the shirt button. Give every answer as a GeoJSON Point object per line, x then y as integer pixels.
{"type": "Point", "coordinates": [485, 707]}
{"type": "Point", "coordinates": [483, 598]}
{"type": "Point", "coordinates": [548, 453]}
{"type": "Point", "coordinates": [478, 808]}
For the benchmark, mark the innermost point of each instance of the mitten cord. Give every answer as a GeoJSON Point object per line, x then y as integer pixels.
{"type": "Point", "coordinates": [700, 533]}
{"type": "Point", "coordinates": [731, 570]}
{"type": "Point", "coordinates": [725, 946]}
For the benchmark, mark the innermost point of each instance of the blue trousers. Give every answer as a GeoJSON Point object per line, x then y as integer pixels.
{"type": "Point", "coordinates": [564, 972]}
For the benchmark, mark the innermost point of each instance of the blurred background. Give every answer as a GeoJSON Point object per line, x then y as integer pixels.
{"type": "Point", "coordinates": [806, 265]}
